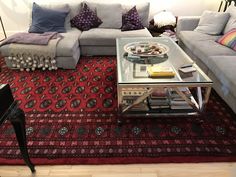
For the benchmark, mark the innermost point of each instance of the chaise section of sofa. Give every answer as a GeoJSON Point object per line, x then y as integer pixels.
{"type": "Point", "coordinates": [216, 60]}
{"type": "Point", "coordinates": [68, 50]}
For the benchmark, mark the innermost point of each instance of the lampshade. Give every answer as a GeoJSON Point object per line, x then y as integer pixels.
{"type": "Point", "coordinates": [164, 18]}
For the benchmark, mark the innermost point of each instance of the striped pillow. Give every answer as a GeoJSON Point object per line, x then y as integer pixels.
{"type": "Point", "coordinates": [229, 39]}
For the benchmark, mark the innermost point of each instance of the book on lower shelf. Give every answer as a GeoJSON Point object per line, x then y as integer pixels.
{"type": "Point", "coordinates": [177, 102]}
{"type": "Point", "coordinates": [140, 107]}
{"type": "Point", "coordinates": [160, 71]}
{"type": "Point", "coordinates": [159, 99]}
{"type": "Point", "coordinates": [129, 100]}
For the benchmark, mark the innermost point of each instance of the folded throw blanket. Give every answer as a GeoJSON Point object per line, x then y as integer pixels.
{"type": "Point", "coordinates": [29, 51]}
{"type": "Point", "coordinates": [31, 38]}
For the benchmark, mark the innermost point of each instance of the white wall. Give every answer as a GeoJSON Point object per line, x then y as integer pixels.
{"type": "Point", "coordinates": [16, 13]}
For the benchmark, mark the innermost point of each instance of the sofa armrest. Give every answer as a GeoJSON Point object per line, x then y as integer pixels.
{"type": "Point", "coordinates": [187, 23]}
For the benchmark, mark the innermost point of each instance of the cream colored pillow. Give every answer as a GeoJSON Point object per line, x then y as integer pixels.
{"type": "Point", "coordinates": [164, 18]}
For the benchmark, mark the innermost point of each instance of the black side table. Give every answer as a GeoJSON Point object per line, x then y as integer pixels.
{"type": "Point", "coordinates": [9, 110]}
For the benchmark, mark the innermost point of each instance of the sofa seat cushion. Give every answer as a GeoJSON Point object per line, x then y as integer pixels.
{"type": "Point", "coordinates": [223, 68]}
{"type": "Point", "coordinates": [203, 46]}
{"type": "Point", "coordinates": [204, 49]}
{"type": "Point", "coordinates": [107, 37]}
{"type": "Point", "coordinates": [69, 43]}
{"type": "Point", "coordinates": [190, 37]}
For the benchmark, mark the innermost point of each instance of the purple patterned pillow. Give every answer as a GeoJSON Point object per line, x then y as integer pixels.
{"type": "Point", "coordinates": [131, 20]}
{"type": "Point", "coordinates": [86, 19]}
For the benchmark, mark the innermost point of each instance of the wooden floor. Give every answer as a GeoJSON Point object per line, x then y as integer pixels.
{"type": "Point", "coordinates": [139, 170]}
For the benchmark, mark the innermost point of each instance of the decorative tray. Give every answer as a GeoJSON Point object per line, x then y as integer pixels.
{"type": "Point", "coordinates": [146, 49]}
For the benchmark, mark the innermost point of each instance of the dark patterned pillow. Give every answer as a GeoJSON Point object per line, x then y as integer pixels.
{"type": "Point", "coordinates": [86, 19]}
{"type": "Point", "coordinates": [131, 20]}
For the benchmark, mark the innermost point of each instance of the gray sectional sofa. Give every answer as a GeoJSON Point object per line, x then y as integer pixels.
{"type": "Point", "coordinates": [96, 41]}
{"type": "Point", "coordinates": [216, 60]}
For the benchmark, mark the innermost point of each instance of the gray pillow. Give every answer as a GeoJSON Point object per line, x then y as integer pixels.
{"type": "Point", "coordinates": [61, 7]}
{"type": "Point", "coordinates": [232, 19]}
{"type": "Point", "coordinates": [143, 11]}
{"type": "Point", "coordinates": [45, 20]}
{"type": "Point", "coordinates": [212, 22]}
{"type": "Point", "coordinates": [110, 14]}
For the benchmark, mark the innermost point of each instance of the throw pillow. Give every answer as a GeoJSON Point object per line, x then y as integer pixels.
{"type": "Point", "coordinates": [164, 18]}
{"type": "Point", "coordinates": [86, 19]}
{"type": "Point", "coordinates": [212, 22]}
{"type": "Point", "coordinates": [232, 19]}
{"type": "Point", "coordinates": [109, 13]}
{"type": "Point", "coordinates": [131, 20]}
{"type": "Point", "coordinates": [142, 8]}
{"type": "Point", "coordinates": [47, 20]}
{"type": "Point", "coordinates": [57, 7]}
{"type": "Point", "coordinates": [229, 39]}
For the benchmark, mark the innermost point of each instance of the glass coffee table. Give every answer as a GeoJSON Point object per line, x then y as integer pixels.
{"type": "Point", "coordinates": [142, 95]}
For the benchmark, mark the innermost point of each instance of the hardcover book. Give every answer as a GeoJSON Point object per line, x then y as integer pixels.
{"type": "Point", "coordinates": [160, 71]}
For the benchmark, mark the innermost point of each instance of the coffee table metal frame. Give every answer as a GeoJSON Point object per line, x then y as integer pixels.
{"type": "Point", "coordinates": [198, 103]}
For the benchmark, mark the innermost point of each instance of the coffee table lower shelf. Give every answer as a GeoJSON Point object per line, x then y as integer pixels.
{"type": "Point", "coordinates": [196, 103]}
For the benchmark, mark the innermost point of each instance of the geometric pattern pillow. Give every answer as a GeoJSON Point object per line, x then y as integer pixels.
{"type": "Point", "coordinates": [228, 39]}
{"type": "Point", "coordinates": [86, 19]}
{"type": "Point", "coordinates": [131, 20]}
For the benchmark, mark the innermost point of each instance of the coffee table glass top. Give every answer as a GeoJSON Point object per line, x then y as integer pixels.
{"type": "Point", "coordinates": [132, 69]}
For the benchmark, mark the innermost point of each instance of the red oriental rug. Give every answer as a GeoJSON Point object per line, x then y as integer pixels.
{"type": "Point", "coordinates": [71, 119]}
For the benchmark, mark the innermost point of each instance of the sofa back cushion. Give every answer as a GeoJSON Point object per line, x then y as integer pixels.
{"type": "Point", "coordinates": [232, 19]}
{"type": "Point", "coordinates": [143, 11]}
{"type": "Point", "coordinates": [212, 22]}
{"type": "Point", "coordinates": [45, 20]}
{"type": "Point", "coordinates": [110, 14]}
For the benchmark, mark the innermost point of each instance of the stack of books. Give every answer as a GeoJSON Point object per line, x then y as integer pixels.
{"type": "Point", "coordinates": [130, 95]}
{"type": "Point", "coordinates": [160, 71]}
{"type": "Point", "coordinates": [177, 102]}
{"type": "Point", "coordinates": [159, 99]}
